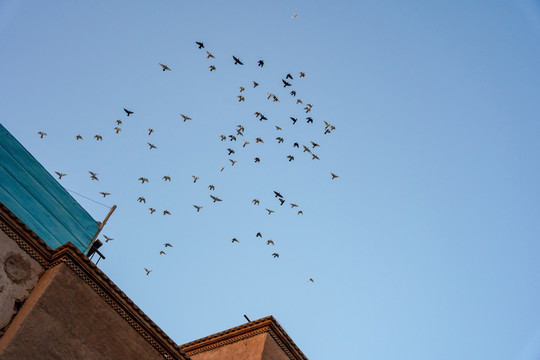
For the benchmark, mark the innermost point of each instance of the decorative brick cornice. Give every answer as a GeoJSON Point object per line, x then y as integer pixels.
{"type": "Point", "coordinates": [70, 255]}
{"type": "Point", "coordinates": [265, 325]}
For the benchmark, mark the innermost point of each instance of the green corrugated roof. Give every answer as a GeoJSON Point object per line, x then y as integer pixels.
{"type": "Point", "coordinates": [36, 198]}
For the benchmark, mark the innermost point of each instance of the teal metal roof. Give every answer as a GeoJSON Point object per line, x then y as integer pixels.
{"type": "Point", "coordinates": [36, 198]}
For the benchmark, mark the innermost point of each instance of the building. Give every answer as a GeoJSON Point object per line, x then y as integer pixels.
{"type": "Point", "coordinates": [55, 303]}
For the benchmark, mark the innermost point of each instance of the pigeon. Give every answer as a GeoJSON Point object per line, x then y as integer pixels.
{"type": "Point", "coordinates": [259, 235]}
{"type": "Point", "coordinates": [296, 145]}
{"type": "Point", "coordinates": [279, 140]}
{"type": "Point", "coordinates": [162, 252]}
{"type": "Point", "coordinates": [235, 240]}
{"type": "Point", "coordinates": [282, 201]}
{"type": "Point", "coordinates": [293, 205]}
{"type": "Point", "coordinates": [142, 180]}
{"type": "Point", "coordinates": [197, 207]}
{"type": "Point", "coordinates": [334, 175]}
{"type": "Point", "coordinates": [245, 143]}
{"type": "Point", "coordinates": [260, 63]}
{"type": "Point", "coordinates": [201, 45]}
{"type": "Point", "coordinates": [105, 193]}
{"type": "Point", "coordinates": [237, 61]}
{"type": "Point", "coordinates": [293, 93]}
{"type": "Point", "coordinates": [194, 178]}
{"type": "Point", "coordinates": [118, 122]}
{"type": "Point", "coordinates": [78, 137]}
{"type": "Point", "coordinates": [300, 212]}
{"type": "Point", "coordinates": [278, 128]}
{"type": "Point", "coordinates": [302, 74]}
{"type": "Point", "coordinates": [285, 83]}
{"type": "Point", "coordinates": [314, 144]}
{"type": "Point", "coordinates": [315, 157]}
{"type": "Point", "coordinates": [275, 255]}
{"type": "Point", "coordinates": [255, 84]}
{"type": "Point", "coordinates": [298, 101]}
{"type": "Point", "coordinates": [231, 151]}
{"type": "Point", "coordinates": [215, 198]}
{"type": "Point", "coordinates": [141, 199]}
{"type": "Point", "coordinates": [167, 245]}
{"type": "Point", "coordinates": [117, 129]}
{"type": "Point", "coordinates": [150, 131]}
{"type": "Point", "coordinates": [241, 98]}
{"type": "Point", "coordinates": [306, 149]}
{"type": "Point", "coordinates": [232, 138]}
{"type": "Point", "coordinates": [152, 210]}
{"type": "Point", "coordinates": [212, 68]}
{"type": "Point", "coordinates": [60, 175]}
{"type": "Point", "coordinates": [98, 137]}
{"type": "Point", "coordinates": [289, 76]}
{"type": "Point", "coordinates": [242, 88]}
{"type": "Point", "coordinates": [107, 239]}
{"type": "Point", "coordinates": [232, 162]}
{"type": "Point", "coordinates": [166, 212]}
{"type": "Point", "coordinates": [128, 112]}
{"type": "Point", "coordinates": [209, 55]}
{"type": "Point", "coordinates": [147, 271]}
{"type": "Point", "coordinates": [278, 194]}
{"type": "Point", "coordinates": [275, 98]}
{"type": "Point", "coordinates": [259, 140]}
{"type": "Point", "coordinates": [166, 178]}
{"type": "Point", "coordinates": [211, 187]}
{"type": "Point", "coordinates": [255, 201]}
{"type": "Point", "coordinates": [270, 211]}
{"type": "Point", "coordinates": [41, 134]}
{"type": "Point", "coordinates": [269, 242]}
{"type": "Point", "coordinates": [165, 67]}
{"type": "Point", "coordinates": [294, 120]}
{"type": "Point", "coordinates": [290, 157]}
{"type": "Point", "coordinates": [185, 117]}
{"type": "Point", "coordinates": [152, 146]}
{"type": "Point", "coordinates": [257, 160]}
{"type": "Point", "coordinates": [309, 120]}
{"type": "Point", "coordinates": [93, 175]}
{"type": "Point", "coordinates": [222, 137]}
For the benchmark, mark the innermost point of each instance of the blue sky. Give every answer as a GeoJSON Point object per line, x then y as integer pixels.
{"type": "Point", "coordinates": [425, 247]}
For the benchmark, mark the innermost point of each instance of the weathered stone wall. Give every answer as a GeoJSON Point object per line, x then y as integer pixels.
{"type": "Point", "coordinates": [272, 351]}
{"type": "Point", "coordinates": [19, 273]}
{"type": "Point", "coordinates": [64, 318]}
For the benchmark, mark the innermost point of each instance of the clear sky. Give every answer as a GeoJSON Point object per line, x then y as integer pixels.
{"type": "Point", "coordinates": [427, 245]}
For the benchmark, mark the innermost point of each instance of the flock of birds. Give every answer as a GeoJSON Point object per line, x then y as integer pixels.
{"type": "Point", "coordinates": [239, 132]}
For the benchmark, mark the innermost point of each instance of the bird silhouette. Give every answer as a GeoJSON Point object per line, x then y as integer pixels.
{"type": "Point", "coordinates": [259, 235]}
{"type": "Point", "coordinates": [197, 207]}
{"type": "Point", "coordinates": [290, 157]}
{"type": "Point", "coordinates": [231, 151]}
{"type": "Point", "coordinates": [222, 137]}
{"type": "Point", "coordinates": [293, 93]}
{"type": "Point", "coordinates": [241, 98]}
{"type": "Point", "coordinates": [147, 271]}
{"type": "Point", "coordinates": [269, 242]}
{"type": "Point", "coordinates": [255, 201]}
{"type": "Point", "coordinates": [128, 112]}
{"type": "Point", "coordinates": [212, 68]}
{"type": "Point", "coordinates": [314, 144]}
{"type": "Point", "coordinates": [315, 157]}
{"type": "Point", "coordinates": [165, 67]}
{"type": "Point", "coordinates": [278, 128]}
{"type": "Point", "coordinates": [93, 175]}
{"type": "Point", "coordinates": [237, 61]}
{"type": "Point", "coordinates": [185, 117]}
{"type": "Point", "coordinates": [235, 240]}
{"type": "Point", "coordinates": [275, 255]}
{"type": "Point", "coordinates": [105, 193]}
{"type": "Point", "coordinates": [279, 140]}
{"type": "Point", "coordinates": [232, 162]}
{"type": "Point", "coordinates": [293, 205]}
{"type": "Point", "coordinates": [152, 146]}
{"type": "Point", "coordinates": [195, 178]}
{"type": "Point", "coordinates": [98, 137]}
{"type": "Point", "coordinates": [78, 137]}
{"type": "Point", "coordinates": [141, 199]}
{"type": "Point", "coordinates": [294, 120]}
{"type": "Point", "coordinates": [117, 129]}
{"type": "Point", "coordinates": [255, 84]}
{"type": "Point", "coordinates": [167, 245]}
{"type": "Point", "coordinates": [142, 180]}
{"type": "Point", "coordinates": [60, 175]}
{"type": "Point", "coordinates": [278, 194]}
{"type": "Point", "coordinates": [245, 143]}
{"type": "Point", "coordinates": [232, 138]}
{"type": "Point", "coordinates": [209, 55]}
{"type": "Point", "coordinates": [215, 198]}
{"type": "Point", "coordinates": [211, 187]}
{"type": "Point", "coordinates": [300, 212]}
{"type": "Point", "coordinates": [257, 160]}
{"type": "Point", "coordinates": [166, 212]}
{"type": "Point", "coordinates": [242, 88]}
{"type": "Point", "coordinates": [162, 252]}
{"type": "Point", "coordinates": [299, 101]}
{"type": "Point", "coordinates": [260, 63]}
{"type": "Point", "coordinates": [296, 145]}
{"type": "Point", "coordinates": [282, 201]}
{"type": "Point", "coordinates": [107, 239]}
{"type": "Point", "coordinates": [118, 122]}
{"type": "Point", "coordinates": [285, 83]}
{"type": "Point", "coordinates": [152, 210]}
{"type": "Point", "coordinates": [309, 120]}
{"type": "Point", "coordinates": [201, 45]}
{"type": "Point", "coordinates": [150, 131]}
{"type": "Point", "coordinates": [259, 140]}
{"type": "Point", "coordinates": [166, 178]}
{"type": "Point", "coordinates": [334, 175]}
{"type": "Point", "coordinates": [270, 211]}
{"type": "Point", "coordinates": [311, 280]}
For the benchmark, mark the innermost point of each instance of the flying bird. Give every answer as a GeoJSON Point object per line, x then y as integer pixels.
{"type": "Point", "coordinates": [290, 157]}
{"type": "Point", "coordinates": [152, 146]}
{"type": "Point", "coordinates": [152, 210]}
{"type": "Point", "coordinates": [294, 15]}
{"type": "Point", "coordinates": [60, 175]}
{"type": "Point", "coordinates": [278, 128]}
{"type": "Point", "coordinates": [282, 201]}
{"type": "Point", "coordinates": [289, 76]}
{"type": "Point", "coordinates": [78, 137]}
{"type": "Point", "coordinates": [278, 194]}
{"type": "Point", "coordinates": [269, 242]}
{"type": "Point", "coordinates": [209, 55]}
{"type": "Point", "coordinates": [293, 93]}
{"type": "Point", "coordinates": [241, 98]}
{"type": "Point", "coordinates": [279, 139]}
{"type": "Point", "coordinates": [231, 151]}
{"type": "Point", "coordinates": [118, 122]}
{"type": "Point", "coordinates": [237, 61]}
{"type": "Point", "coordinates": [212, 68]}
{"type": "Point", "coordinates": [255, 84]}
{"type": "Point", "coordinates": [167, 245]}
{"type": "Point", "coordinates": [98, 137]}
{"type": "Point", "coordinates": [166, 212]}
{"type": "Point", "coordinates": [222, 137]}
{"type": "Point", "coordinates": [298, 101]}
{"type": "Point", "coordinates": [232, 162]}
{"type": "Point", "coordinates": [215, 198]}
{"type": "Point", "coordinates": [293, 205]}
{"type": "Point", "coordinates": [107, 239]}
{"type": "Point", "coordinates": [162, 252]}
{"type": "Point", "coordinates": [275, 255]}
{"type": "Point", "coordinates": [314, 144]}
{"type": "Point", "coordinates": [147, 271]}
{"type": "Point", "coordinates": [270, 211]}
{"type": "Point", "coordinates": [197, 207]}
{"type": "Point", "coordinates": [311, 280]}
{"type": "Point", "coordinates": [294, 120]}
{"type": "Point", "coordinates": [117, 129]}
{"type": "Point", "coordinates": [201, 45]}
{"type": "Point", "coordinates": [141, 199]}
{"type": "Point", "coordinates": [259, 140]}
{"type": "Point", "coordinates": [306, 149]}
{"type": "Point", "coordinates": [223, 167]}
{"type": "Point", "coordinates": [234, 240]}
{"type": "Point", "coordinates": [166, 178]}
{"type": "Point", "coordinates": [296, 145]}
{"type": "Point", "coordinates": [300, 212]}
{"type": "Point", "coordinates": [195, 178]}
{"type": "Point", "coordinates": [308, 109]}
{"type": "Point", "coordinates": [255, 202]}
{"type": "Point", "coordinates": [128, 112]}
{"type": "Point", "coordinates": [232, 138]}
{"type": "Point", "coordinates": [260, 63]}
{"type": "Point", "coordinates": [41, 134]}
{"type": "Point", "coordinates": [302, 74]}
{"type": "Point", "coordinates": [211, 187]}
{"type": "Point", "coordinates": [93, 175]}
{"type": "Point", "coordinates": [259, 235]}
{"type": "Point", "coordinates": [185, 117]}
{"type": "Point", "coordinates": [105, 193]}
{"type": "Point", "coordinates": [309, 120]}
{"type": "Point", "coordinates": [165, 67]}
{"type": "Point", "coordinates": [142, 180]}
{"type": "Point", "coordinates": [285, 83]}
{"type": "Point", "coordinates": [315, 157]}
{"type": "Point", "coordinates": [150, 131]}
{"type": "Point", "coordinates": [242, 88]}
{"type": "Point", "coordinates": [257, 160]}
{"type": "Point", "coordinates": [245, 143]}
{"type": "Point", "coordinates": [334, 175]}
